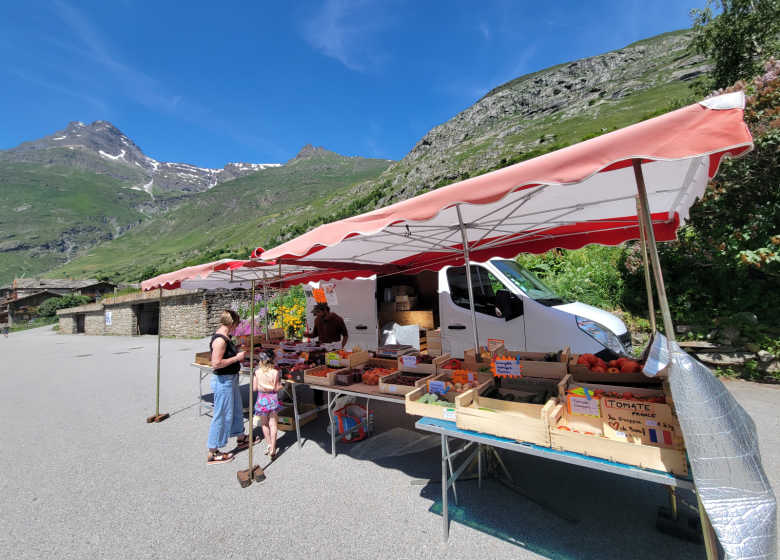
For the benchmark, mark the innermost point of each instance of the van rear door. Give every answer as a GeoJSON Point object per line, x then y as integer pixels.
{"type": "Point", "coordinates": [356, 304]}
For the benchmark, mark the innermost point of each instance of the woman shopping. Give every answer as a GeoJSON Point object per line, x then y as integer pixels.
{"type": "Point", "coordinates": [228, 419]}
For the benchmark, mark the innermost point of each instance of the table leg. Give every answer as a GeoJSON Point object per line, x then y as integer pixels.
{"type": "Point", "coordinates": [710, 541]}
{"type": "Point", "coordinates": [444, 511]}
{"type": "Point", "coordinates": [368, 421]}
{"type": "Point", "coordinates": [452, 470]}
{"type": "Point", "coordinates": [297, 420]}
{"type": "Point", "coordinates": [479, 464]}
{"type": "Point", "coordinates": [332, 426]}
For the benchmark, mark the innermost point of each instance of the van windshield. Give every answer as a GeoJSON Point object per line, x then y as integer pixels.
{"type": "Point", "coordinates": [527, 282]}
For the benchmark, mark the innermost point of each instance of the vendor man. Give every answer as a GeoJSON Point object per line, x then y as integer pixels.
{"type": "Point", "coordinates": [328, 327]}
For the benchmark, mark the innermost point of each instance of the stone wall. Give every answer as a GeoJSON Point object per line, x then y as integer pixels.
{"type": "Point", "coordinates": [67, 324]}
{"type": "Point", "coordinates": [216, 301]}
{"type": "Point", "coordinates": [185, 313]}
{"type": "Point", "coordinates": [184, 316]}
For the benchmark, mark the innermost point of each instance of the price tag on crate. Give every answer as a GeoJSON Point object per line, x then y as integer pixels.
{"type": "Point", "coordinates": [581, 401]}
{"type": "Point", "coordinates": [507, 367]}
{"type": "Point", "coordinates": [449, 414]}
{"type": "Point", "coordinates": [279, 353]}
{"type": "Point", "coordinates": [438, 387]}
{"type": "Point", "coordinates": [409, 361]}
{"type": "Point", "coordinates": [333, 359]}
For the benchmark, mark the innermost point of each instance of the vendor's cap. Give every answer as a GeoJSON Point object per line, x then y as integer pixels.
{"type": "Point", "coordinates": [319, 307]}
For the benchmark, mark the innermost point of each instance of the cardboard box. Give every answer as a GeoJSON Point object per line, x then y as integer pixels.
{"type": "Point", "coordinates": [404, 299]}
{"type": "Point", "coordinates": [388, 306]}
{"type": "Point", "coordinates": [286, 417]}
{"type": "Point", "coordinates": [203, 358]}
{"type": "Point", "coordinates": [403, 290]}
{"type": "Point", "coordinates": [406, 306]}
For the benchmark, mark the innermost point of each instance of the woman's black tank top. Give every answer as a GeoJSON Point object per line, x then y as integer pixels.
{"type": "Point", "coordinates": [230, 352]}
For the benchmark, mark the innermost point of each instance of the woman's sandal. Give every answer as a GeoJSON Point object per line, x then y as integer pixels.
{"type": "Point", "coordinates": [218, 458]}
{"type": "Point", "coordinates": [273, 455]}
{"type": "Point", "coordinates": [244, 443]}
{"type": "Point", "coordinates": [267, 450]}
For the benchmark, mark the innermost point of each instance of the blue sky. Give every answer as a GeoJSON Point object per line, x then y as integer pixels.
{"type": "Point", "coordinates": [209, 83]}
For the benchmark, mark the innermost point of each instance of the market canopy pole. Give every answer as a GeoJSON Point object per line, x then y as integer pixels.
{"type": "Point", "coordinates": [650, 304]}
{"type": "Point", "coordinates": [254, 471]}
{"type": "Point", "coordinates": [265, 307]}
{"type": "Point", "coordinates": [157, 418]}
{"type": "Point", "coordinates": [648, 226]}
{"type": "Point", "coordinates": [464, 235]}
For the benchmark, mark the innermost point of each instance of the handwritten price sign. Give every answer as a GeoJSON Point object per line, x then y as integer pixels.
{"type": "Point", "coordinates": [409, 361]}
{"type": "Point", "coordinates": [333, 359]}
{"type": "Point", "coordinates": [509, 367]}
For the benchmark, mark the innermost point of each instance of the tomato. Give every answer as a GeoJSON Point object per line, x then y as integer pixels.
{"type": "Point", "coordinates": [613, 364]}
{"type": "Point", "coordinates": [613, 369]}
{"type": "Point", "coordinates": [627, 396]}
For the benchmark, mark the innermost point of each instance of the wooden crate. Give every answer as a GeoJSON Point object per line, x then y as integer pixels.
{"type": "Point", "coordinates": [269, 345]}
{"type": "Point", "coordinates": [203, 358]}
{"type": "Point", "coordinates": [386, 384]}
{"type": "Point", "coordinates": [531, 362]}
{"type": "Point", "coordinates": [434, 344]}
{"type": "Point", "coordinates": [422, 368]}
{"type": "Point", "coordinates": [387, 363]}
{"type": "Point", "coordinates": [315, 380]}
{"type": "Point", "coordinates": [414, 407]}
{"type": "Point", "coordinates": [355, 359]}
{"type": "Point", "coordinates": [422, 318]}
{"type": "Point", "coordinates": [511, 420]}
{"type": "Point", "coordinates": [286, 416]}
{"type": "Point", "coordinates": [435, 352]}
{"type": "Point", "coordinates": [644, 456]}
{"type": "Point", "coordinates": [582, 374]}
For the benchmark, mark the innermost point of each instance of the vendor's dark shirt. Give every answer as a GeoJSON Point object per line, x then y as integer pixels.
{"type": "Point", "coordinates": [329, 330]}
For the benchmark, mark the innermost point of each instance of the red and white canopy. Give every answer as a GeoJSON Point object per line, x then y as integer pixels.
{"type": "Point", "coordinates": [231, 274]}
{"type": "Point", "coordinates": [570, 198]}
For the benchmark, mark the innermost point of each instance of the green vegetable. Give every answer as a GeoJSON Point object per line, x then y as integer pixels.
{"type": "Point", "coordinates": [538, 398]}
{"type": "Point", "coordinates": [528, 398]}
{"type": "Point", "coordinates": [491, 392]}
{"type": "Point", "coordinates": [434, 397]}
{"type": "Point", "coordinates": [425, 398]}
{"type": "Point", "coordinates": [484, 369]}
{"type": "Point", "coordinates": [509, 398]}
{"type": "Point", "coordinates": [488, 409]}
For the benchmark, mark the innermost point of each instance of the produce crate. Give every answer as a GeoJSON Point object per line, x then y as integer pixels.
{"type": "Point", "coordinates": [507, 419]}
{"type": "Point", "coordinates": [310, 379]}
{"type": "Point", "coordinates": [636, 433]}
{"type": "Point", "coordinates": [345, 379]}
{"type": "Point", "coordinates": [436, 352]}
{"type": "Point", "coordinates": [415, 408]}
{"type": "Point", "coordinates": [532, 362]}
{"type": "Point", "coordinates": [421, 368]}
{"type": "Point", "coordinates": [387, 363]}
{"type": "Point", "coordinates": [203, 358]}
{"type": "Point", "coordinates": [269, 345]}
{"type": "Point", "coordinates": [286, 417]}
{"type": "Point", "coordinates": [582, 374]}
{"type": "Point", "coordinates": [644, 456]}
{"type": "Point", "coordinates": [299, 375]}
{"type": "Point", "coordinates": [386, 384]}
{"type": "Point", "coordinates": [274, 334]}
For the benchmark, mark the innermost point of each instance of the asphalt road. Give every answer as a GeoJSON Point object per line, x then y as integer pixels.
{"type": "Point", "coordinates": [83, 476]}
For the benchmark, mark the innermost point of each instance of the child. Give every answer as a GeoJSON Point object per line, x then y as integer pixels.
{"type": "Point", "coordinates": [266, 382]}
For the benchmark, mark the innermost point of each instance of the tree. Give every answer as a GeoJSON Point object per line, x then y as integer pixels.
{"type": "Point", "coordinates": [738, 39]}
{"type": "Point", "coordinates": [49, 307]}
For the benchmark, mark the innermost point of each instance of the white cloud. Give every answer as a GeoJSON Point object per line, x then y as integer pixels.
{"type": "Point", "coordinates": [485, 31]}
{"type": "Point", "coordinates": [344, 30]}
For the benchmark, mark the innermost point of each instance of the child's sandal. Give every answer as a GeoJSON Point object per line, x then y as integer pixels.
{"type": "Point", "coordinates": [218, 458]}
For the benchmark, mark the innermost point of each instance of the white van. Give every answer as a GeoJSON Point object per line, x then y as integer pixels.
{"type": "Point", "coordinates": [511, 304]}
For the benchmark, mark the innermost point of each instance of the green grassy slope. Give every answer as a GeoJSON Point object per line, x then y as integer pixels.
{"type": "Point", "coordinates": [45, 210]}
{"type": "Point", "coordinates": [235, 214]}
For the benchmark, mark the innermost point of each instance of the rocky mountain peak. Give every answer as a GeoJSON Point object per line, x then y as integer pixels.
{"type": "Point", "coordinates": [308, 152]}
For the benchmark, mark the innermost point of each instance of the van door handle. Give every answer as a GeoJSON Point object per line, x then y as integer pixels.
{"type": "Point", "coordinates": [361, 327]}
{"type": "Point", "coordinates": [457, 327]}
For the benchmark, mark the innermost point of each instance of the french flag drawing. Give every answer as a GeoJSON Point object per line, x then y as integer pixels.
{"type": "Point", "coordinates": [667, 436]}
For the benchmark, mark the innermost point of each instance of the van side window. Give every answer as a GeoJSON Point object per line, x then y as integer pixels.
{"type": "Point", "coordinates": [484, 284]}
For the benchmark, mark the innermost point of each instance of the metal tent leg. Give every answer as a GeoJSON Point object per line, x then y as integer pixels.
{"type": "Point", "coordinates": [445, 510]}
{"type": "Point", "coordinates": [297, 420]}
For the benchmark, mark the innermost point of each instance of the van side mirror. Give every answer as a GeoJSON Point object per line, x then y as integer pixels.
{"type": "Point", "coordinates": [508, 305]}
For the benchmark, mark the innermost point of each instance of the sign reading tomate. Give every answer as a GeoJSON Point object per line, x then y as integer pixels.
{"type": "Point", "coordinates": [638, 422]}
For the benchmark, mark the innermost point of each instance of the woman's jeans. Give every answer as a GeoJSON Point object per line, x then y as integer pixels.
{"type": "Point", "coordinates": [228, 419]}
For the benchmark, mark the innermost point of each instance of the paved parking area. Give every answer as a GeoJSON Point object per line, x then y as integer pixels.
{"type": "Point", "coordinates": [83, 476]}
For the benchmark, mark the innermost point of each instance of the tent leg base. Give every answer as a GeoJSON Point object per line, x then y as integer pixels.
{"type": "Point", "coordinates": [157, 418]}
{"type": "Point", "coordinates": [244, 478]}
{"type": "Point", "coordinates": [686, 527]}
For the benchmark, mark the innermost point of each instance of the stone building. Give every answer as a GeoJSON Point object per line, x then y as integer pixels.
{"type": "Point", "coordinates": [185, 313]}
{"type": "Point", "coordinates": [23, 309]}
{"type": "Point", "coordinates": [62, 286]}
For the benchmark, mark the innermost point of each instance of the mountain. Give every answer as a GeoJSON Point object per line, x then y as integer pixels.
{"type": "Point", "coordinates": [101, 147]}
{"type": "Point", "coordinates": [521, 119]}
{"type": "Point", "coordinates": [228, 216]}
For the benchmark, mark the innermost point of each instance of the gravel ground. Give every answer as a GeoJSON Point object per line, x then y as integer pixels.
{"type": "Point", "coordinates": [83, 476]}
